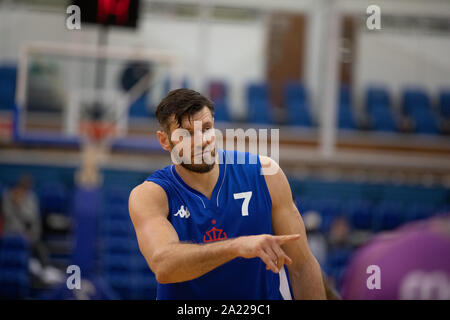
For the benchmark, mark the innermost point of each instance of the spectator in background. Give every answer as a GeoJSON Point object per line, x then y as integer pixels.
{"type": "Point", "coordinates": [21, 211]}
{"type": "Point", "coordinates": [339, 236]}
{"type": "Point", "coordinates": [339, 250]}
{"type": "Point", "coordinates": [316, 240]}
{"type": "Point", "coordinates": [20, 207]}
{"type": "Point", "coordinates": [318, 244]}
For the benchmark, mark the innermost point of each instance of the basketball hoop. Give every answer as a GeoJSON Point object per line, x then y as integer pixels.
{"type": "Point", "coordinates": [94, 150]}
{"type": "Point", "coordinates": [97, 131]}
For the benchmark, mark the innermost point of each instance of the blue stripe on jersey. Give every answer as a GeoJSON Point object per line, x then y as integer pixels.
{"type": "Point", "coordinates": [240, 205]}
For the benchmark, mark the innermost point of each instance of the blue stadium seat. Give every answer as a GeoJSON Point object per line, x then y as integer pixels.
{"type": "Point", "coordinates": [383, 120]}
{"type": "Point", "coordinates": [297, 105]}
{"type": "Point", "coordinates": [118, 229]}
{"type": "Point", "coordinates": [116, 198]}
{"type": "Point", "coordinates": [117, 245]}
{"type": "Point", "coordinates": [377, 97]}
{"type": "Point", "coordinates": [327, 208]}
{"type": "Point", "coordinates": [336, 264]}
{"type": "Point", "coordinates": [7, 87]}
{"type": "Point", "coordinates": [120, 282]}
{"type": "Point", "coordinates": [14, 257]}
{"type": "Point", "coordinates": [140, 108]}
{"type": "Point", "coordinates": [259, 106]}
{"type": "Point", "coordinates": [14, 242]}
{"type": "Point", "coordinates": [416, 104]}
{"type": "Point", "coordinates": [444, 103]}
{"type": "Point", "coordinates": [360, 215]}
{"type": "Point", "coordinates": [338, 257]}
{"type": "Point", "coordinates": [145, 288]}
{"type": "Point", "coordinates": [54, 197]}
{"type": "Point", "coordinates": [14, 284]}
{"type": "Point", "coordinates": [420, 211]}
{"type": "Point", "coordinates": [117, 213]}
{"type": "Point", "coordinates": [218, 91]}
{"type": "Point", "coordinates": [303, 204]}
{"type": "Point", "coordinates": [221, 111]}
{"type": "Point", "coordinates": [415, 98]}
{"type": "Point", "coordinates": [379, 108]}
{"type": "Point", "coordinates": [388, 216]}
{"type": "Point", "coordinates": [345, 115]}
{"type": "Point", "coordinates": [140, 264]}
{"type": "Point", "coordinates": [117, 262]}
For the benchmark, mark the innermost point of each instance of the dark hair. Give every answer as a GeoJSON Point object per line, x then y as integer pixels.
{"type": "Point", "coordinates": [181, 103]}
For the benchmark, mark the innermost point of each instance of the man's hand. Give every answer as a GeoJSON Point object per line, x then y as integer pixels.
{"type": "Point", "coordinates": [266, 247]}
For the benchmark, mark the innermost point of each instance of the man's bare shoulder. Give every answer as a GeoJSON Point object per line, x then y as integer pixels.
{"type": "Point", "coordinates": [275, 179]}
{"type": "Point", "coordinates": [269, 166]}
{"type": "Point", "coordinates": [148, 197]}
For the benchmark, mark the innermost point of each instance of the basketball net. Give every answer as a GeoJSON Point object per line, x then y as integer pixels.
{"type": "Point", "coordinates": [95, 149]}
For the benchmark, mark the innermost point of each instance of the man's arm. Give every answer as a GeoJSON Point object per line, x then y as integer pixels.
{"type": "Point", "coordinates": [304, 272]}
{"type": "Point", "coordinates": [174, 261]}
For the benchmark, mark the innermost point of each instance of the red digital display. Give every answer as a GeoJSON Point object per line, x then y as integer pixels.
{"type": "Point", "coordinates": [118, 8]}
{"type": "Point", "coordinates": [109, 12]}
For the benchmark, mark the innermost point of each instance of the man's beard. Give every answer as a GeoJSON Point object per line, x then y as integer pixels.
{"type": "Point", "coordinates": [198, 168]}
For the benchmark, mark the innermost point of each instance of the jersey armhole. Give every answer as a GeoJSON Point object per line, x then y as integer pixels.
{"type": "Point", "coordinates": [264, 183]}
{"type": "Point", "coordinates": [163, 184]}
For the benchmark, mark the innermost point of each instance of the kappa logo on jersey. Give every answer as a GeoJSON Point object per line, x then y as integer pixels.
{"type": "Point", "coordinates": [214, 234]}
{"type": "Point", "coordinates": [182, 213]}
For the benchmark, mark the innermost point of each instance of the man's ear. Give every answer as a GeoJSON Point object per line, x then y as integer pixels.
{"type": "Point", "coordinates": [163, 138]}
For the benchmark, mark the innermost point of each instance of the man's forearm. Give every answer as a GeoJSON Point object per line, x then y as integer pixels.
{"type": "Point", "coordinates": [307, 282]}
{"type": "Point", "coordinates": [180, 262]}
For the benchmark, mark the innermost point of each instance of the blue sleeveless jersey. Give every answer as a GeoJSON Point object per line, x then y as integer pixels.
{"type": "Point", "coordinates": [240, 205]}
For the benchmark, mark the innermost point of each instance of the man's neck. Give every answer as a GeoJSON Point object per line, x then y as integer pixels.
{"type": "Point", "coordinates": [202, 182]}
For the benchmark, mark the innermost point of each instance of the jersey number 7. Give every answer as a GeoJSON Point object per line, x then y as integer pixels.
{"type": "Point", "coordinates": [246, 196]}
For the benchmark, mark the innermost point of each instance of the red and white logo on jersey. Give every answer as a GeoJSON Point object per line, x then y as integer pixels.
{"type": "Point", "coordinates": [214, 234]}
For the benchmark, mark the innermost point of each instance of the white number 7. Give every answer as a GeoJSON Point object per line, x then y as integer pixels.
{"type": "Point", "coordinates": [246, 196]}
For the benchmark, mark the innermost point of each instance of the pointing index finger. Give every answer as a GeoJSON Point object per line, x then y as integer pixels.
{"type": "Point", "coordinates": [285, 238]}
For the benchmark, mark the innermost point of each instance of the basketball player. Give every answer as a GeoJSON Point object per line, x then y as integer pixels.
{"type": "Point", "coordinates": [220, 230]}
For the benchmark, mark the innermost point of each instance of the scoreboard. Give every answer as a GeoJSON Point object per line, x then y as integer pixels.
{"type": "Point", "coordinates": [122, 13]}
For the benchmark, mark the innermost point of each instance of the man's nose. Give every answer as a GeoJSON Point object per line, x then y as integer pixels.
{"type": "Point", "coordinates": [202, 138]}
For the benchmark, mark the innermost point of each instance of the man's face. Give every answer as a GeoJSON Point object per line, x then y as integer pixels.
{"type": "Point", "coordinates": [196, 135]}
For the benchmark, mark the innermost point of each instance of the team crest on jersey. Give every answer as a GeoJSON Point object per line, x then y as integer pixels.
{"type": "Point", "coordinates": [182, 213]}
{"type": "Point", "coordinates": [214, 234]}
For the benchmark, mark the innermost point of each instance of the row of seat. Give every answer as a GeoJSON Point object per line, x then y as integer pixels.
{"type": "Point", "coordinates": [362, 214]}
{"type": "Point", "coordinates": [120, 260]}
{"type": "Point", "coordinates": [415, 104]}
{"type": "Point", "coordinates": [378, 113]}
{"type": "Point", "coordinates": [14, 276]}
{"type": "Point", "coordinates": [54, 186]}
{"type": "Point", "coordinates": [365, 215]}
